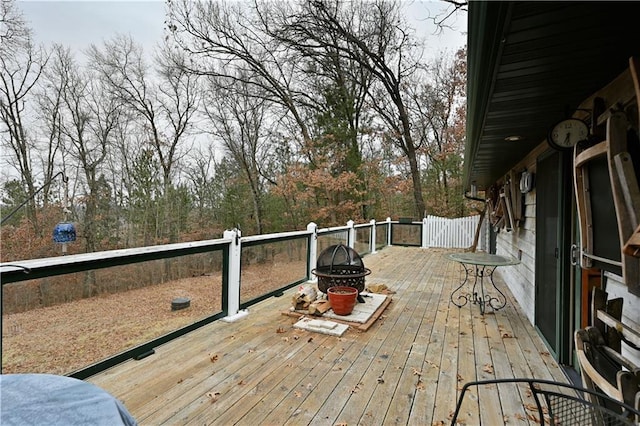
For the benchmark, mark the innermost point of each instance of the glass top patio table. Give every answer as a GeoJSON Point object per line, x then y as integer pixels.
{"type": "Point", "coordinates": [478, 266]}
{"type": "Point", "coordinates": [484, 259]}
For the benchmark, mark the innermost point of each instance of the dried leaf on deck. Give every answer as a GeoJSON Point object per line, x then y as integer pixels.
{"type": "Point", "coordinates": [533, 418]}
{"type": "Point", "coordinates": [213, 357]}
{"type": "Point", "coordinates": [417, 372]}
{"type": "Point", "coordinates": [281, 330]}
{"type": "Point", "coordinates": [488, 368]}
{"type": "Point", "coordinates": [213, 396]}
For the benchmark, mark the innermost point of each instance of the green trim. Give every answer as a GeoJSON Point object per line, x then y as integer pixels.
{"type": "Point", "coordinates": [487, 21]}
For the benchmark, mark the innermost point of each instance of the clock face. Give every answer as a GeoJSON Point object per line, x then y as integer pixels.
{"type": "Point", "coordinates": [567, 133]}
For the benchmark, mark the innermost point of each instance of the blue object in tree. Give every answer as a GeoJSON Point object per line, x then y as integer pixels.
{"type": "Point", "coordinates": [64, 232]}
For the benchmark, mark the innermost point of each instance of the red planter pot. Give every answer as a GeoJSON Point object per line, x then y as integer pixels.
{"type": "Point", "coordinates": [342, 299]}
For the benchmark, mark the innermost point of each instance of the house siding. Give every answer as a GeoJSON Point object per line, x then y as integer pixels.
{"type": "Point", "coordinates": [520, 243]}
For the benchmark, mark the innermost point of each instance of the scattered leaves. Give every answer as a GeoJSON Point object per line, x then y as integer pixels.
{"type": "Point", "coordinates": [241, 383]}
{"type": "Point", "coordinates": [417, 372]}
{"type": "Point", "coordinates": [488, 368]}
{"type": "Point", "coordinates": [298, 394]}
{"type": "Point", "coordinates": [310, 340]}
{"type": "Point", "coordinates": [380, 380]}
{"type": "Point", "coordinates": [506, 335]}
{"type": "Point", "coordinates": [281, 330]}
{"type": "Point", "coordinates": [213, 396]}
{"type": "Point", "coordinates": [213, 357]}
{"type": "Point", "coordinates": [356, 388]}
{"type": "Point", "coordinates": [420, 385]}
{"type": "Point", "coordinates": [533, 418]}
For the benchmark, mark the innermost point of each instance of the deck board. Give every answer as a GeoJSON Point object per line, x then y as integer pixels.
{"type": "Point", "coordinates": [408, 368]}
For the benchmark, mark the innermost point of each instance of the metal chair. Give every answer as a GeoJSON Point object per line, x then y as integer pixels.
{"type": "Point", "coordinates": [561, 403]}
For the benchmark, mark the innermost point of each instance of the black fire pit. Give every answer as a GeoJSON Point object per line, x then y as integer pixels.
{"type": "Point", "coordinates": [339, 265]}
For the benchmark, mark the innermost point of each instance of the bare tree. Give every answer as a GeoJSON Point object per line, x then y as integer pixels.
{"type": "Point", "coordinates": [90, 118]}
{"type": "Point", "coordinates": [21, 65]}
{"type": "Point", "coordinates": [227, 40]}
{"type": "Point", "coordinates": [437, 109]}
{"type": "Point", "coordinates": [240, 122]}
{"type": "Point", "coordinates": [165, 102]}
{"type": "Point", "coordinates": [373, 35]}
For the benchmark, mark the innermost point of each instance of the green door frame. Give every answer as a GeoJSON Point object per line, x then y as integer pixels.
{"type": "Point", "coordinates": [561, 347]}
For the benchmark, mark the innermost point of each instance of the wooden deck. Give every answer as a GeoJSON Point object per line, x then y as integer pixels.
{"type": "Point", "coordinates": [406, 369]}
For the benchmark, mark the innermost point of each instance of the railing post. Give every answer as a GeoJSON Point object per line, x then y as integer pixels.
{"type": "Point", "coordinates": [424, 232]}
{"type": "Point", "coordinates": [235, 252]}
{"type": "Point", "coordinates": [313, 251]}
{"type": "Point", "coordinates": [372, 237]}
{"type": "Point", "coordinates": [351, 238]}
{"type": "Point", "coordinates": [388, 231]}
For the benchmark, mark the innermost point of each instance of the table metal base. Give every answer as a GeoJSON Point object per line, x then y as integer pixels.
{"type": "Point", "coordinates": [478, 295]}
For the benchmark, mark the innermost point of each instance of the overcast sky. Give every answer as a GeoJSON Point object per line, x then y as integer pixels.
{"type": "Point", "coordinates": [77, 24]}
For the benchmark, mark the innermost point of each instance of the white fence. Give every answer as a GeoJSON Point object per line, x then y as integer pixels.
{"type": "Point", "coordinates": [450, 233]}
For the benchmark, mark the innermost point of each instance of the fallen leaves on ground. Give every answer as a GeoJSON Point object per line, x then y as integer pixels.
{"type": "Point", "coordinates": [63, 338]}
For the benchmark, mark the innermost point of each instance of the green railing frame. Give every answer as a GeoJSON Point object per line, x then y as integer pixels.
{"type": "Point", "coordinates": [13, 272]}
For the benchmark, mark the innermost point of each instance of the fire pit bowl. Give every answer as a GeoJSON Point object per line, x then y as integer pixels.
{"type": "Point", "coordinates": [339, 265]}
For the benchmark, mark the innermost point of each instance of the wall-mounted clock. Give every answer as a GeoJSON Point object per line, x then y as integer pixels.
{"type": "Point", "coordinates": [567, 133]}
